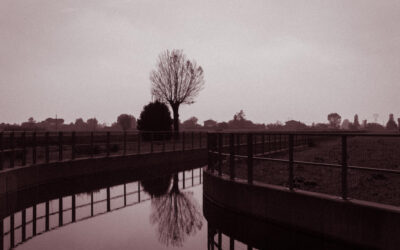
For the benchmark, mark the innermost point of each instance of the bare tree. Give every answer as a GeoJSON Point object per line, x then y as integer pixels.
{"type": "Point", "coordinates": [176, 81]}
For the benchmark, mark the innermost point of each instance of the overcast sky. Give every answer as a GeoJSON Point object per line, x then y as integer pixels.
{"type": "Point", "coordinates": [276, 60]}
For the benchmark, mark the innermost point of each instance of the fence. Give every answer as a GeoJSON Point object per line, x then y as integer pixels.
{"type": "Point", "coordinates": [30, 148]}
{"type": "Point", "coordinates": [227, 152]}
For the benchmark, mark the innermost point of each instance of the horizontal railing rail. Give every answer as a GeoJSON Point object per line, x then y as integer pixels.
{"type": "Point", "coordinates": [30, 148]}
{"type": "Point", "coordinates": [226, 148]}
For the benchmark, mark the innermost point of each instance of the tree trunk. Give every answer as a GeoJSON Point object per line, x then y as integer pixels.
{"type": "Point", "coordinates": [175, 110]}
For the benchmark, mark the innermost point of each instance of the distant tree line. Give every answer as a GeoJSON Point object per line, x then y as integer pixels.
{"type": "Point", "coordinates": [124, 122]}
{"type": "Point", "coordinates": [156, 116]}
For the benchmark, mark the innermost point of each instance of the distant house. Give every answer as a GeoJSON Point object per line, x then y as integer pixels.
{"type": "Point", "coordinates": [210, 123]}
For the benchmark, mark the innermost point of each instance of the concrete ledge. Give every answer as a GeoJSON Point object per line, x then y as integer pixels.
{"type": "Point", "coordinates": [17, 179]}
{"type": "Point", "coordinates": [363, 223]}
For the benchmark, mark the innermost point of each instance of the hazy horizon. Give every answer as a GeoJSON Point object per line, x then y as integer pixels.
{"type": "Point", "coordinates": [283, 60]}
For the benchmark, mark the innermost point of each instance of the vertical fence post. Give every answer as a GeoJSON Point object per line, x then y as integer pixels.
{"type": "Point", "coordinates": [34, 148]}
{"type": "Point", "coordinates": [23, 224]}
{"type": "Point", "coordinates": [73, 202]}
{"type": "Point", "coordinates": [263, 143]}
{"type": "Point", "coordinates": [163, 141]}
{"type": "Point", "coordinates": [220, 154]}
{"type": "Point", "coordinates": [173, 141]}
{"type": "Point", "coordinates": [47, 216]}
{"type": "Point", "coordinates": [124, 152]}
{"type": "Point", "coordinates": [108, 200]}
{"type": "Point", "coordinates": [209, 155]}
{"type": "Point", "coordinates": [151, 142]}
{"type": "Point", "coordinates": [108, 143]}
{"type": "Point", "coordinates": [34, 220]}
{"type": "Point", "coordinates": [12, 152]}
{"type": "Point", "coordinates": [238, 144]}
{"type": "Point", "coordinates": [73, 145]}
{"type": "Point", "coordinates": [232, 156]}
{"type": "Point", "coordinates": [192, 140]}
{"type": "Point", "coordinates": [291, 162]}
{"type": "Point", "coordinates": [200, 137]}
{"type": "Point", "coordinates": [183, 141]}
{"type": "Point", "coordinates": [1, 233]}
{"type": "Point", "coordinates": [47, 147]}
{"type": "Point", "coordinates": [12, 231]}
{"type": "Point", "coordinates": [124, 195]}
{"type": "Point", "coordinates": [1, 153]}
{"type": "Point", "coordinates": [23, 142]}
{"type": "Point", "coordinates": [91, 144]}
{"type": "Point", "coordinates": [344, 166]}
{"type": "Point", "coordinates": [60, 146]}
{"type": "Point", "coordinates": [139, 135]}
{"type": "Point", "coordinates": [250, 158]}
{"type": "Point", "coordinates": [60, 211]}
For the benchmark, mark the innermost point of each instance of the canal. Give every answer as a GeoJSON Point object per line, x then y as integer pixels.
{"type": "Point", "coordinates": [161, 212]}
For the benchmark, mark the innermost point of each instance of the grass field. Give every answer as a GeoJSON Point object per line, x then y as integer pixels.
{"type": "Point", "coordinates": [371, 152]}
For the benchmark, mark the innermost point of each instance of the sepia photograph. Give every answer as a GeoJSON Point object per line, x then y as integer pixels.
{"type": "Point", "coordinates": [231, 124]}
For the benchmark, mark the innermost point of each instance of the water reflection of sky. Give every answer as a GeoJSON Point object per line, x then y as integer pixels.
{"type": "Point", "coordinates": [141, 226]}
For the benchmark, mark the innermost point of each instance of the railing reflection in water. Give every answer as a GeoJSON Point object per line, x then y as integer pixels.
{"type": "Point", "coordinates": [216, 239]}
{"type": "Point", "coordinates": [22, 226]}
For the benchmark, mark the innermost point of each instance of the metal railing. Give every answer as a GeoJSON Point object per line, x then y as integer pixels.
{"type": "Point", "coordinates": [30, 148]}
{"type": "Point", "coordinates": [225, 150]}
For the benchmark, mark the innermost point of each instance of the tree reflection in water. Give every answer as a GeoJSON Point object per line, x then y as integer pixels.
{"type": "Point", "coordinates": [177, 214]}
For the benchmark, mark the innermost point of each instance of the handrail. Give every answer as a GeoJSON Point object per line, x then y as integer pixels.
{"type": "Point", "coordinates": [217, 151]}
{"type": "Point", "coordinates": [31, 148]}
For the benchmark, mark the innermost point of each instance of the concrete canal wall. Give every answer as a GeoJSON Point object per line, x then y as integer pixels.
{"type": "Point", "coordinates": [20, 178]}
{"type": "Point", "coordinates": [363, 223]}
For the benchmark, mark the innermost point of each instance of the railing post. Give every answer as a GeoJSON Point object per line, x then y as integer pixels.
{"type": "Point", "coordinates": [108, 200]}
{"type": "Point", "coordinates": [23, 142]}
{"type": "Point", "coordinates": [173, 141]}
{"type": "Point", "coordinates": [344, 166]}
{"type": "Point", "coordinates": [291, 162]}
{"type": "Point", "coordinates": [220, 145]}
{"type": "Point", "coordinates": [192, 140]}
{"type": "Point", "coordinates": [1, 233]}
{"type": "Point", "coordinates": [263, 143]}
{"type": "Point", "coordinates": [200, 137]}
{"type": "Point", "coordinates": [108, 144]}
{"type": "Point", "coordinates": [232, 156]}
{"type": "Point", "coordinates": [138, 142]}
{"type": "Point", "coordinates": [1, 155]}
{"type": "Point", "coordinates": [183, 141]}
{"type": "Point", "coordinates": [60, 211]}
{"type": "Point", "coordinates": [250, 158]}
{"type": "Point", "coordinates": [73, 145]}
{"type": "Point", "coordinates": [46, 147]}
{"type": "Point", "coordinates": [209, 154]}
{"type": "Point", "coordinates": [151, 142]}
{"type": "Point", "coordinates": [60, 146]}
{"type": "Point", "coordinates": [91, 144]}
{"type": "Point", "coordinates": [47, 218]}
{"type": "Point", "coordinates": [34, 220]}
{"type": "Point", "coordinates": [12, 152]}
{"type": "Point", "coordinates": [23, 224]}
{"type": "Point", "coordinates": [34, 148]}
{"type": "Point", "coordinates": [73, 207]}
{"type": "Point", "coordinates": [12, 230]}
{"type": "Point", "coordinates": [163, 141]}
{"type": "Point", "coordinates": [124, 152]}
